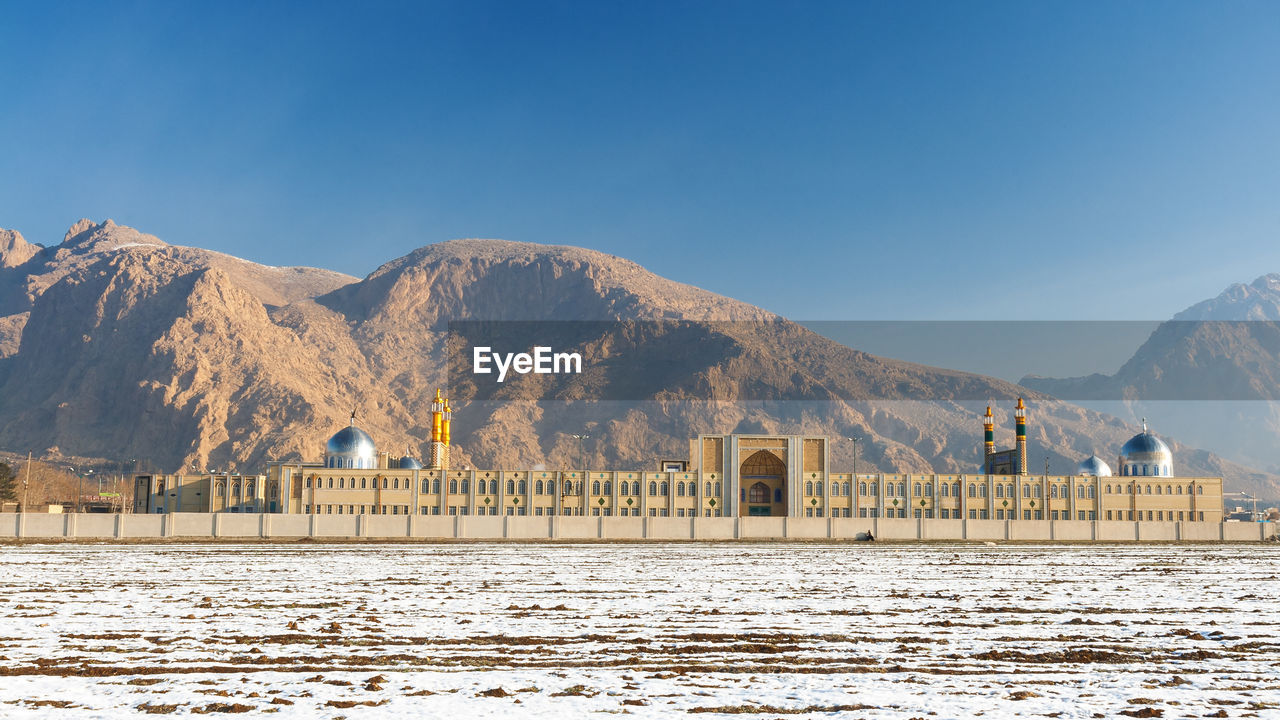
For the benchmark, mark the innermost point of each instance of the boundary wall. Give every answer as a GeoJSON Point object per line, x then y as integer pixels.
{"type": "Point", "coordinates": [219, 526]}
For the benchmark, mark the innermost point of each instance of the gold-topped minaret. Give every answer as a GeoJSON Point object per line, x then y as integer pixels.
{"type": "Point", "coordinates": [1020, 427]}
{"type": "Point", "coordinates": [441, 415]}
{"type": "Point", "coordinates": [988, 439]}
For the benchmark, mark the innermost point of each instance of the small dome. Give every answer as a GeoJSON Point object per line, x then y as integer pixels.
{"type": "Point", "coordinates": [1095, 466]}
{"type": "Point", "coordinates": [351, 447]}
{"type": "Point", "coordinates": [408, 463]}
{"type": "Point", "coordinates": [1146, 455]}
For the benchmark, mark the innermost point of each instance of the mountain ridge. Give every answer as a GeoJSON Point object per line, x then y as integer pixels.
{"type": "Point", "coordinates": [135, 348]}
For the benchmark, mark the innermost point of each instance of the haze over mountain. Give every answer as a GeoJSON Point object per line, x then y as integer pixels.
{"type": "Point", "coordinates": [122, 346]}
{"type": "Point", "coordinates": [1210, 375]}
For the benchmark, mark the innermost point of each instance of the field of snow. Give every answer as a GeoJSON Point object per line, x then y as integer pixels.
{"type": "Point", "coordinates": [684, 630]}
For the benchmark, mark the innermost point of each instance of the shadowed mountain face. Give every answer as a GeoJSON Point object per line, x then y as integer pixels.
{"type": "Point", "coordinates": [1211, 375]}
{"type": "Point", "coordinates": [132, 348]}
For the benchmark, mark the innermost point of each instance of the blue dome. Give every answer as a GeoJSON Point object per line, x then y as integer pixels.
{"type": "Point", "coordinates": [351, 447]}
{"type": "Point", "coordinates": [408, 463]}
{"type": "Point", "coordinates": [1093, 465]}
{"type": "Point", "coordinates": [1144, 443]}
{"type": "Point", "coordinates": [1146, 455]}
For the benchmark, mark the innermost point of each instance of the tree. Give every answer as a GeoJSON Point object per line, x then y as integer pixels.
{"type": "Point", "coordinates": [8, 483]}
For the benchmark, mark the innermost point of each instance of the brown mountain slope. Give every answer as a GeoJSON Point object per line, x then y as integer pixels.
{"type": "Point", "coordinates": [159, 352]}
{"type": "Point", "coordinates": [28, 270]}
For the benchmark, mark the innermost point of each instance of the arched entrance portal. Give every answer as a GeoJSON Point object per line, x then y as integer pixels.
{"type": "Point", "coordinates": [763, 480]}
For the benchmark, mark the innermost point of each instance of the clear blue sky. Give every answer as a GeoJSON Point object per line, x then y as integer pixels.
{"type": "Point", "coordinates": [844, 160]}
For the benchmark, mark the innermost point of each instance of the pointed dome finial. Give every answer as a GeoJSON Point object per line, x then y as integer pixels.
{"type": "Point", "coordinates": [353, 416]}
{"type": "Point", "coordinates": [1144, 424]}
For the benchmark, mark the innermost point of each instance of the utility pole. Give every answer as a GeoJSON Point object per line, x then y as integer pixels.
{"type": "Point", "coordinates": [26, 483]}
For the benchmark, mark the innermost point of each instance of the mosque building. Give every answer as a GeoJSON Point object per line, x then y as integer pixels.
{"type": "Point", "coordinates": [729, 475]}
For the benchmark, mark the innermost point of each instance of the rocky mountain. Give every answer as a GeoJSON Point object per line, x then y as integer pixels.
{"type": "Point", "coordinates": [127, 347]}
{"type": "Point", "coordinates": [1211, 375]}
{"type": "Point", "coordinates": [1259, 300]}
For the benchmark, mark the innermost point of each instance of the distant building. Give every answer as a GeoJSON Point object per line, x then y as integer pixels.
{"type": "Point", "coordinates": [725, 475]}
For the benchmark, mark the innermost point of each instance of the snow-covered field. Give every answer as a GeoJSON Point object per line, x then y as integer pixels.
{"type": "Point", "coordinates": [690, 630]}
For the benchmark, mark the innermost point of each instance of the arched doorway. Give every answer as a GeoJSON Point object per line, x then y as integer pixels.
{"type": "Point", "coordinates": [762, 479]}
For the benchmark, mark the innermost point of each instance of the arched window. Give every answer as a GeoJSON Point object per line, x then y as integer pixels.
{"type": "Point", "coordinates": [635, 487]}
{"type": "Point", "coordinates": [466, 485]}
{"type": "Point", "coordinates": [453, 486]}
{"type": "Point", "coordinates": [1148, 489]}
{"type": "Point", "coordinates": [235, 489]}
{"type": "Point", "coordinates": [1090, 492]}
{"type": "Point", "coordinates": [435, 485]}
{"type": "Point", "coordinates": [999, 491]}
{"type": "Point", "coordinates": [273, 491]}
{"type": "Point", "coordinates": [664, 489]}
{"type": "Point", "coordinates": [847, 488]}
{"type": "Point", "coordinates": [680, 489]}
{"type": "Point", "coordinates": [1037, 491]}
{"type": "Point", "coordinates": [538, 488]}
{"type": "Point", "coordinates": [511, 486]}
{"type": "Point", "coordinates": [522, 487]}
{"type": "Point", "coordinates": [706, 489]}
{"type": "Point", "coordinates": [1108, 489]}
{"type": "Point", "coordinates": [916, 490]}
{"type": "Point", "coordinates": [653, 488]}
{"type": "Point", "coordinates": [955, 489]}
{"type": "Point", "coordinates": [608, 487]}
{"type": "Point", "coordinates": [982, 491]}
{"type": "Point", "coordinates": [1199, 489]}
{"type": "Point", "coordinates": [835, 489]}
{"type": "Point", "coordinates": [330, 483]}
{"type": "Point", "coordinates": [1008, 490]}
{"type": "Point", "coordinates": [220, 489]}
{"type": "Point", "coordinates": [1159, 490]}
{"type": "Point", "coordinates": [928, 490]}
{"type": "Point", "coordinates": [595, 488]}
{"type": "Point", "coordinates": [945, 490]}
{"type": "Point", "coordinates": [759, 493]}
{"type": "Point", "coordinates": [1080, 491]}
{"type": "Point", "coordinates": [1179, 489]}
{"type": "Point", "coordinates": [249, 488]}
{"type": "Point", "coordinates": [973, 490]}
{"type": "Point", "coordinates": [1026, 490]}
{"type": "Point", "coordinates": [902, 489]}
{"type": "Point", "coordinates": [1053, 492]}
{"type": "Point", "coordinates": [808, 488]}
{"type": "Point", "coordinates": [624, 489]}
{"type": "Point", "coordinates": [1168, 489]}
{"type": "Point", "coordinates": [862, 488]}
{"type": "Point", "coordinates": [493, 487]}
{"type": "Point", "coordinates": [875, 487]}
{"type": "Point", "coordinates": [551, 487]}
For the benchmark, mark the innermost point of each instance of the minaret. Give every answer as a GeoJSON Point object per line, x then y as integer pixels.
{"type": "Point", "coordinates": [1020, 433]}
{"type": "Point", "coordinates": [988, 439]}
{"type": "Point", "coordinates": [440, 414]}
